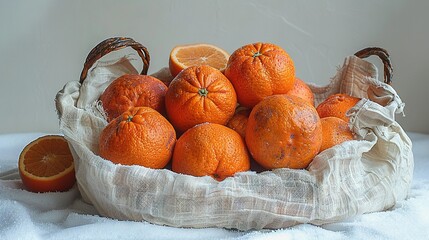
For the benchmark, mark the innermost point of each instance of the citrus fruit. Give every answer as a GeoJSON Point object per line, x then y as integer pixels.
{"type": "Point", "coordinates": [238, 121]}
{"type": "Point", "coordinates": [283, 131]}
{"type": "Point", "coordinates": [302, 90]}
{"type": "Point", "coordinates": [210, 149]}
{"type": "Point", "coordinates": [184, 56]}
{"type": "Point", "coordinates": [259, 70]}
{"type": "Point", "coordinates": [337, 105]}
{"type": "Point", "coordinates": [133, 91]}
{"type": "Point", "coordinates": [335, 131]}
{"type": "Point", "coordinates": [139, 136]}
{"type": "Point", "coordinates": [199, 94]}
{"type": "Point", "coordinates": [46, 165]}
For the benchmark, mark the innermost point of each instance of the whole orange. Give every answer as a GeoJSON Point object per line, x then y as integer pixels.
{"type": "Point", "coordinates": [139, 136]}
{"type": "Point", "coordinates": [302, 90]}
{"type": "Point", "coordinates": [259, 70]}
{"type": "Point", "coordinates": [199, 94]}
{"type": "Point", "coordinates": [337, 105]}
{"type": "Point", "coordinates": [133, 91]}
{"type": "Point", "coordinates": [335, 131]}
{"type": "Point", "coordinates": [283, 131]}
{"type": "Point", "coordinates": [238, 122]}
{"type": "Point", "coordinates": [210, 149]}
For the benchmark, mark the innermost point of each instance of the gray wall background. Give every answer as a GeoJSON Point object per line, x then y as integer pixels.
{"type": "Point", "coordinates": [44, 43]}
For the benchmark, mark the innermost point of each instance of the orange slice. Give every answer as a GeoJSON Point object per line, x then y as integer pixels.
{"type": "Point", "coordinates": [46, 165]}
{"type": "Point", "coordinates": [185, 56]}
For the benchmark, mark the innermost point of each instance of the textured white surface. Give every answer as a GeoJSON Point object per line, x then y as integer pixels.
{"type": "Point", "coordinates": [26, 215]}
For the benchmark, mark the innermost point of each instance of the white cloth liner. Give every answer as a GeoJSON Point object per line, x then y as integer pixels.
{"type": "Point", "coordinates": [64, 215]}
{"type": "Point", "coordinates": [365, 175]}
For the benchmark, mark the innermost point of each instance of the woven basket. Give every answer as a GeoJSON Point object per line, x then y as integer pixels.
{"type": "Point", "coordinates": [371, 173]}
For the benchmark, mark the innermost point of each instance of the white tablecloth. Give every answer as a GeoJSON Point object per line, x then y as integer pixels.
{"type": "Point", "coordinates": [26, 215]}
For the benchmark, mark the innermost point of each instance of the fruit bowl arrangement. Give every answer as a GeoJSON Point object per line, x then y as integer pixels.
{"type": "Point", "coordinates": [243, 145]}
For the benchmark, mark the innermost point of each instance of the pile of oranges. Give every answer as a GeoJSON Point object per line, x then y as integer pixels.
{"type": "Point", "coordinates": [221, 114]}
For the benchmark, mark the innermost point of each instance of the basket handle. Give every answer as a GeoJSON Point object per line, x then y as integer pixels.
{"type": "Point", "coordinates": [385, 58]}
{"type": "Point", "coordinates": [113, 44]}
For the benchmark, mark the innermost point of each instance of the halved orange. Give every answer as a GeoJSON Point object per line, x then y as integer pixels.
{"type": "Point", "coordinates": [184, 56]}
{"type": "Point", "coordinates": [46, 165]}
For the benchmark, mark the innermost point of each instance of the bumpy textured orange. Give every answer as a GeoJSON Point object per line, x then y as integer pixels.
{"type": "Point", "coordinates": [210, 149]}
{"type": "Point", "coordinates": [259, 70]}
{"type": "Point", "coordinates": [302, 90]}
{"type": "Point", "coordinates": [200, 94]}
{"type": "Point", "coordinates": [238, 122]}
{"type": "Point", "coordinates": [46, 165]}
{"type": "Point", "coordinates": [335, 131]}
{"type": "Point", "coordinates": [140, 136]}
{"type": "Point", "coordinates": [133, 91]}
{"type": "Point", "coordinates": [283, 131]}
{"type": "Point", "coordinates": [189, 55]}
{"type": "Point", "coordinates": [337, 105]}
